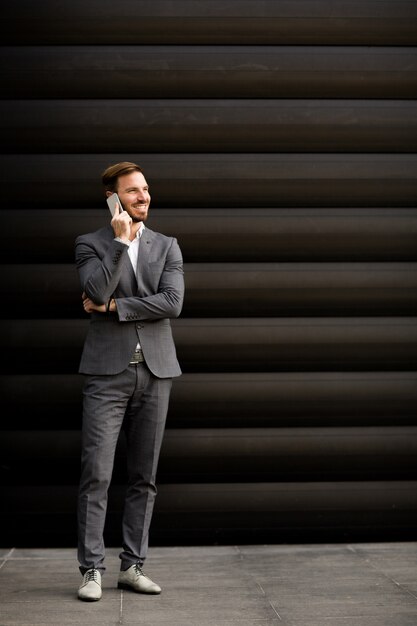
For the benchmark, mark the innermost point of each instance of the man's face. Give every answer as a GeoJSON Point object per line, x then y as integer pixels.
{"type": "Point", "coordinates": [133, 192]}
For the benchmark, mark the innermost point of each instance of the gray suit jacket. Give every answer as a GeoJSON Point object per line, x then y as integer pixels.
{"type": "Point", "coordinates": [144, 304]}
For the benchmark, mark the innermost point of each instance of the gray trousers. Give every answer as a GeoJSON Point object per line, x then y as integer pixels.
{"type": "Point", "coordinates": [138, 400]}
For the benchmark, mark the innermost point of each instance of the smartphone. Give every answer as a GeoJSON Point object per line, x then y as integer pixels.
{"type": "Point", "coordinates": [112, 201]}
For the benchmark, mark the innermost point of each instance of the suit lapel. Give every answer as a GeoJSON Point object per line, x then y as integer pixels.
{"type": "Point", "coordinates": [145, 246]}
{"type": "Point", "coordinates": [129, 273]}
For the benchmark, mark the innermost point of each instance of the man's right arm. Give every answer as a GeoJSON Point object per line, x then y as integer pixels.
{"type": "Point", "coordinates": [99, 277]}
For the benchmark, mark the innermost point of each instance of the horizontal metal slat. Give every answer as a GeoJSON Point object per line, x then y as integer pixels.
{"type": "Point", "coordinates": [255, 454]}
{"type": "Point", "coordinates": [219, 511]}
{"type": "Point", "coordinates": [226, 399]}
{"type": "Point", "coordinates": [290, 454]}
{"type": "Point", "coordinates": [298, 498]}
{"type": "Point", "coordinates": [226, 235]}
{"type": "Point", "coordinates": [209, 180]}
{"type": "Point", "coordinates": [233, 345]}
{"type": "Point", "coordinates": [209, 21]}
{"type": "Point", "coordinates": [198, 126]}
{"type": "Point", "coordinates": [209, 71]}
{"type": "Point", "coordinates": [297, 344]}
{"type": "Point", "coordinates": [236, 289]}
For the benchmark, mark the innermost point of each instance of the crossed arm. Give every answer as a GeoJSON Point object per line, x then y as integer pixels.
{"type": "Point", "coordinates": [100, 277]}
{"type": "Point", "coordinates": [90, 306]}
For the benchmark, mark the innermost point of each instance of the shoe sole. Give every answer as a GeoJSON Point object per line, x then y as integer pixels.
{"type": "Point", "coordinates": [89, 599]}
{"type": "Point", "coordinates": [129, 588]}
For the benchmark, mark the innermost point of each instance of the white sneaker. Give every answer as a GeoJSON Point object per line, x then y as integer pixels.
{"type": "Point", "coordinates": [135, 580]}
{"type": "Point", "coordinates": [90, 590]}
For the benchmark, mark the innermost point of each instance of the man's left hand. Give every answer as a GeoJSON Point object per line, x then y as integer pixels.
{"type": "Point", "coordinates": [90, 306]}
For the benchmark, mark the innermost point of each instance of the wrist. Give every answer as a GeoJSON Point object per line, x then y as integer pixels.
{"type": "Point", "coordinates": [123, 239]}
{"type": "Point", "coordinates": [111, 306]}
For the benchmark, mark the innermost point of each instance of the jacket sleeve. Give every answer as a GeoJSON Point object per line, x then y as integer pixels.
{"type": "Point", "coordinates": [99, 277]}
{"type": "Point", "coordinates": [168, 300]}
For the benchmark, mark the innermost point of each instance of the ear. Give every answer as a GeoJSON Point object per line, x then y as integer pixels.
{"type": "Point", "coordinates": [109, 193]}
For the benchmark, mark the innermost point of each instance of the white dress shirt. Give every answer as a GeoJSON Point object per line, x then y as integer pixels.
{"type": "Point", "coordinates": [133, 252]}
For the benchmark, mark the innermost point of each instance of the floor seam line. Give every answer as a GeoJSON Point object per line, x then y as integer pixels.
{"type": "Point", "coordinates": [275, 611]}
{"type": "Point", "coordinates": [262, 590]}
{"type": "Point", "coordinates": [121, 607]}
{"type": "Point", "coordinates": [367, 560]}
{"type": "Point", "coordinates": [7, 557]}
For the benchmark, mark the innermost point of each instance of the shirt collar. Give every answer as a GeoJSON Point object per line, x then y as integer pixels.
{"type": "Point", "coordinates": [140, 231]}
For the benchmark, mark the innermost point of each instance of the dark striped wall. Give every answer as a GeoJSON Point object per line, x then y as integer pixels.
{"type": "Point", "coordinates": [280, 142]}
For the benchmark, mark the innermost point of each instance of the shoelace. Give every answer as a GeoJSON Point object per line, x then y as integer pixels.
{"type": "Point", "coordinates": [92, 574]}
{"type": "Point", "coordinates": [138, 569]}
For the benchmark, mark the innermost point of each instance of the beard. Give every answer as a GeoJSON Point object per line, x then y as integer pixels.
{"type": "Point", "coordinates": [135, 218]}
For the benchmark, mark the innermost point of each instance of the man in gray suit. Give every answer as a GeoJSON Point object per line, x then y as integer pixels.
{"type": "Point", "coordinates": [132, 283]}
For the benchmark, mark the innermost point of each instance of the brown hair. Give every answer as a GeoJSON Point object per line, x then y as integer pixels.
{"type": "Point", "coordinates": [112, 173]}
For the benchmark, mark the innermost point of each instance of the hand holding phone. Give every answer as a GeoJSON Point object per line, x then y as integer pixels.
{"type": "Point", "coordinates": [121, 220]}
{"type": "Point", "coordinates": [112, 201]}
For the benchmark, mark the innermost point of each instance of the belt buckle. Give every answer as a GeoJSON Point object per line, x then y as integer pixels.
{"type": "Point", "coordinates": [137, 357]}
